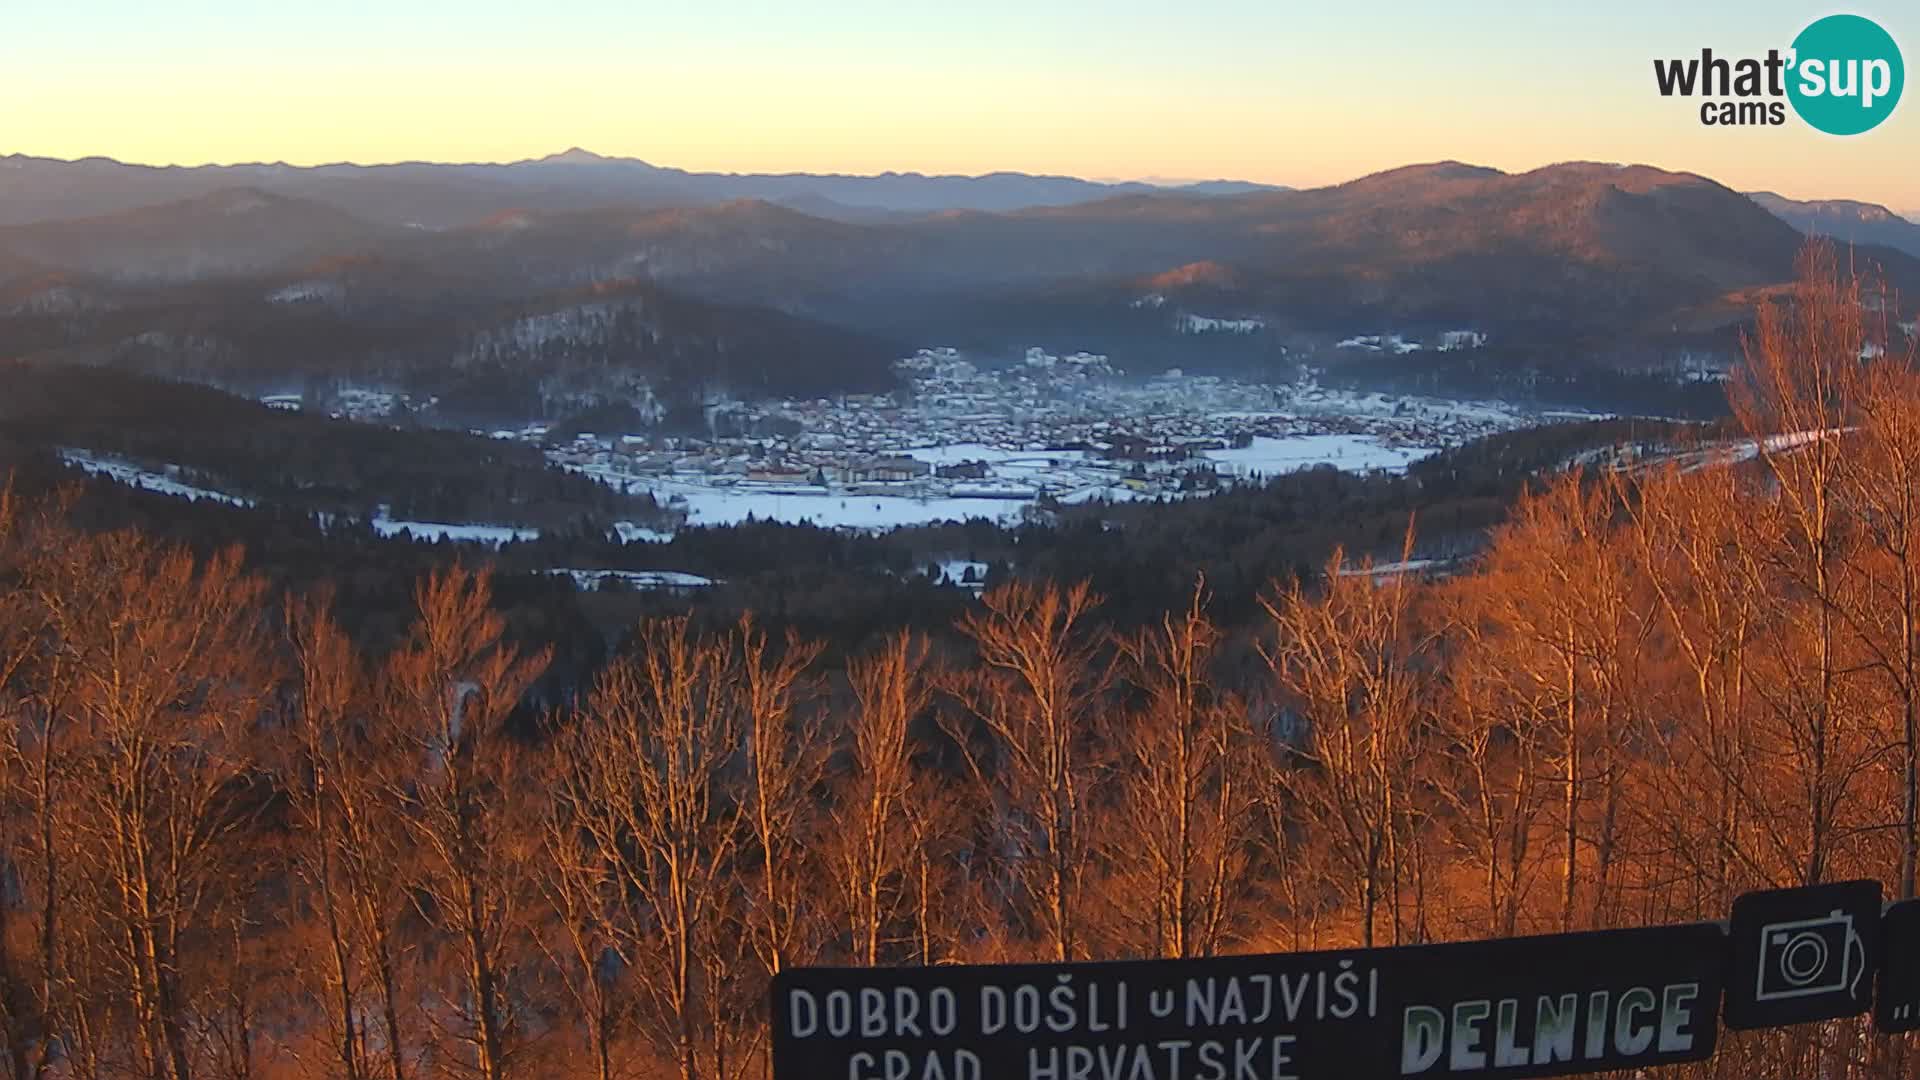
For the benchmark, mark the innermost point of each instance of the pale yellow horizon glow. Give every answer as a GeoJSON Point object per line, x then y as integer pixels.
{"type": "Point", "coordinates": [868, 88]}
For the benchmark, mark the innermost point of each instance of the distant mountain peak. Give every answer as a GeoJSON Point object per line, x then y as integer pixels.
{"type": "Point", "coordinates": [576, 155]}
{"type": "Point", "coordinates": [1437, 170]}
{"type": "Point", "coordinates": [1422, 175]}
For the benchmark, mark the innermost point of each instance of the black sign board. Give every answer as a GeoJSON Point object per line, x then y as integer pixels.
{"type": "Point", "coordinates": [1898, 1008]}
{"type": "Point", "coordinates": [1798, 955]}
{"type": "Point", "coordinates": [1542, 1006]}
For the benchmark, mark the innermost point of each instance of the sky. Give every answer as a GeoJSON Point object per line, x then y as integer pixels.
{"type": "Point", "coordinates": [1298, 92]}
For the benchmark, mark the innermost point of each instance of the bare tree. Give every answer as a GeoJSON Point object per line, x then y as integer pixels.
{"type": "Point", "coordinates": [1036, 691]}
{"type": "Point", "coordinates": [873, 819]}
{"type": "Point", "coordinates": [1570, 632]}
{"type": "Point", "coordinates": [346, 828]}
{"type": "Point", "coordinates": [1347, 661]}
{"type": "Point", "coordinates": [649, 785]}
{"type": "Point", "coordinates": [1491, 768]}
{"type": "Point", "coordinates": [463, 785]}
{"type": "Point", "coordinates": [1880, 481]}
{"type": "Point", "coordinates": [1794, 397]}
{"type": "Point", "coordinates": [1691, 539]}
{"type": "Point", "coordinates": [1185, 796]}
{"type": "Point", "coordinates": [171, 680]}
{"type": "Point", "coordinates": [582, 895]}
{"type": "Point", "coordinates": [31, 681]}
{"type": "Point", "coordinates": [784, 757]}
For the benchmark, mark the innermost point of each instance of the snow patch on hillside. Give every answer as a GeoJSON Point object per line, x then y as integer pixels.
{"type": "Point", "coordinates": [307, 292]}
{"type": "Point", "coordinates": [490, 535]}
{"type": "Point", "coordinates": [165, 482]}
{"type": "Point", "coordinates": [1203, 324]}
{"type": "Point", "coordinates": [641, 580]}
{"type": "Point", "coordinates": [1380, 343]}
{"type": "Point", "coordinates": [630, 533]}
{"type": "Point", "coordinates": [1392, 569]}
{"type": "Point", "coordinates": [962, 573]}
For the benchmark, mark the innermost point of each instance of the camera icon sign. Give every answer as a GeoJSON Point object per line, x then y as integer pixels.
{"type": "Point", "coordinates": [1801, 955]}
{"type": "Point", "coordinates": [1809, 957]}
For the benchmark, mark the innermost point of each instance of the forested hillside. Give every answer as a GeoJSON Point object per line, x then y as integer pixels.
{"type": "Point", "coordinates": [241, 836]}
{"type": "Point", "coordinates": [306, 463]}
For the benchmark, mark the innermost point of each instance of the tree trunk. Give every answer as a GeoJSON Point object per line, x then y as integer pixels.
{"type": "Point", "coordinates": [482, 978]}
{"type": "Point", "coordinates": [1570, 851]}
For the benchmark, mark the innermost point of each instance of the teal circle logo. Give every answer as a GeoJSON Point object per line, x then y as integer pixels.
{"type": "Point", "coordinates": [1846, 75]}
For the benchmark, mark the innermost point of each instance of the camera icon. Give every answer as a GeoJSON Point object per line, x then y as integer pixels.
{"type": "Point", "coordinates": [1810, 957]}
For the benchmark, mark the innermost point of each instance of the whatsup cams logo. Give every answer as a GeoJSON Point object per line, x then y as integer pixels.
{"type": "Point", "coordinates": [1842, 75]}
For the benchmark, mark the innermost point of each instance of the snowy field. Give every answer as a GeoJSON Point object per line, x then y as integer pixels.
{"type": "Point", "coordinates": [1015, 479]}
{"type": "Point", "coordinates": [1350, 453]}
{"type": "Point", "coordinates": [731, 505]}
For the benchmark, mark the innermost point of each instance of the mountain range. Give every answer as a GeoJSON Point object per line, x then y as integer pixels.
{"type": "Point", "coordinates": [572, 265]}
{"type": "Point", "coordinates": [1846, 221]}
{"type": "Point", "coordinates": [434, 196]}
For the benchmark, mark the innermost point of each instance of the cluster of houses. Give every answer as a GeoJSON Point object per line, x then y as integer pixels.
{"type": "Point", "coordinates": [1044, 425]}
{"type": "Point", "coordinates": [885, 469]}
{"type": "Point", "coordinates": [750, 460]}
